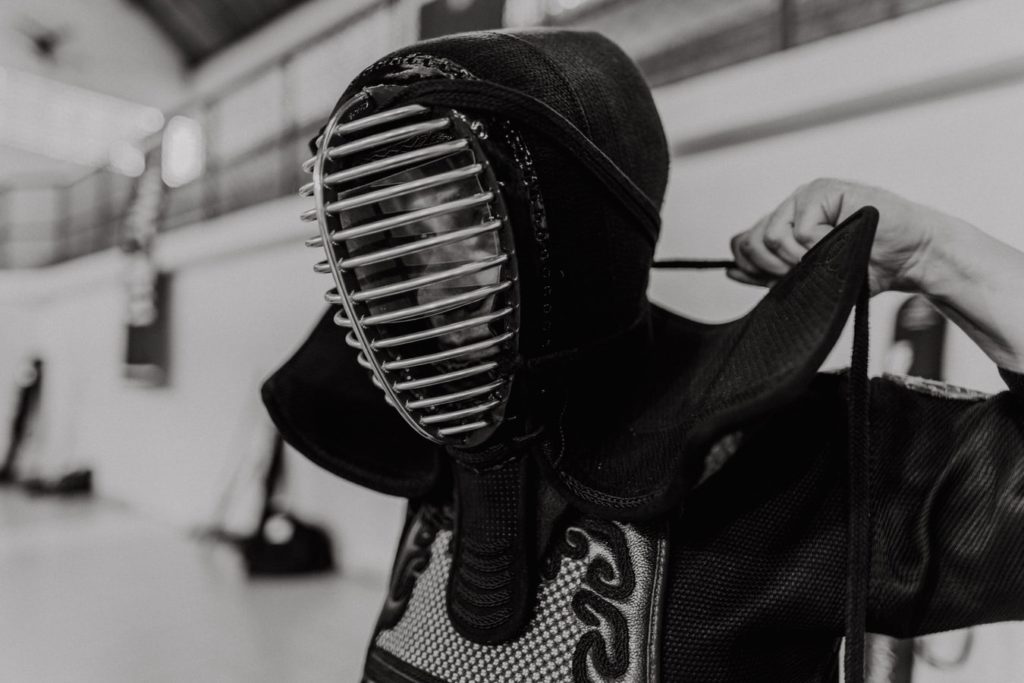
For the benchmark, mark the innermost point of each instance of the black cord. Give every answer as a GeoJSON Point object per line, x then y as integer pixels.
{"type": "Point", "coordinates": [693, 263]}
{"type": "Point", "coordinates": [859, 539]}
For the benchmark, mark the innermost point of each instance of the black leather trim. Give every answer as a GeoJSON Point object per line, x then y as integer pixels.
{"type": "Point", "coordinates": [493, 577]}
{"type": "Point", "coordinates": [384, 667]}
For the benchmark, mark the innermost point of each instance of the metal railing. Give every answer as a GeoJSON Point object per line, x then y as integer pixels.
{"type": "Point", "coordinates": [88, 215]}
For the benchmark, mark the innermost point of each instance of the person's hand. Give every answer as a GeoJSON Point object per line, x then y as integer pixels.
{"type": "Point", "coordinates": [970, 276]}
{"type": "Point", "coordinates": [777, 242]}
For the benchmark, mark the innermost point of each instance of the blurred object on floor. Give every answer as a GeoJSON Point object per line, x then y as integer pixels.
{"type": "Point", "coordinates": [74, 483]}
{"type": "Point", "coordinates": [93, 593]}
{"type": "Point", "coordinates": [30, 385]}
{"type": "Point", "coordinates": [282, 544]}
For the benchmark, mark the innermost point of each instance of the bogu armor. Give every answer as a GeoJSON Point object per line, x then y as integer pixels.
{"type": "Point", "coordinates": [598, 489]}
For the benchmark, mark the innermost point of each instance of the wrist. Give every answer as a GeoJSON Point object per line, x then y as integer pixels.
{"type": "Point", "coordinates": [943, 263]}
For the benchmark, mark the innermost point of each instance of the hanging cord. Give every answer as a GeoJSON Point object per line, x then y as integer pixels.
{"type": "Point", "coordinates": [693, 263]}
{"type": "Point", "coordinates": [859, 539]}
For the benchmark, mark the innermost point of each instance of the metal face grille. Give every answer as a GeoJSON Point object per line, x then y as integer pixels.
{"type": "Point", "coordinates": [417, 239]}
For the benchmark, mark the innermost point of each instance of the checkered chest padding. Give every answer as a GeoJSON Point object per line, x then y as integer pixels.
{"type": "Point", "coordinates": [596, 616]}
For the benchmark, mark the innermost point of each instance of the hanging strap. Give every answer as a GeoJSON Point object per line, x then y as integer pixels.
{"type": "Point", "coordinates": [858, 539]}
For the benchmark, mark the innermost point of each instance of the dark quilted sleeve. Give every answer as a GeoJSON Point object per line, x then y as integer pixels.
{"type": "Point", "coordinates": [948, 489]}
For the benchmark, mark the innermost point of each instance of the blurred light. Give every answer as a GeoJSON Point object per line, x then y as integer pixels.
{"type": "Point", "coordinates": [183, 151]}
{"type": "Point", "coordinates": [524, 12]}
{"type": "Point", "coordinates": [127, 158]}
{"type": "Point", "coordinates": [68, 123]}
{"type": "Point", "coordinates": [557, 7]}
{"type": "Point", "coordinates": [534, 12]}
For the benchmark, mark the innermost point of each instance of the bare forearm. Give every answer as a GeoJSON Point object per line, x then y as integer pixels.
{"type": "Point", "coordinates": [978, 282]}
{"type": "Point", "coordinates": [974, 278]}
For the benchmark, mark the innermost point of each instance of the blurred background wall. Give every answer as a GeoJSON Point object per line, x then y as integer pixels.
{"type": "Point", "coordinates": [924, 97]}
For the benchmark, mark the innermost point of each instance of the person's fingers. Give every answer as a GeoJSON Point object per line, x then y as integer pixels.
{"type": "Point", "coordinates": [817, 209]}
{"type": "Point", "coordinates": [739, 252]}
{"type": "Point", "coordinates": [755, 252]}
{"type": "Point", "coordinates": [808, 232]}
{"type": "Point", "coordinates": [741, 276]}
{"type": "Point", "coordinates": [778, 234]}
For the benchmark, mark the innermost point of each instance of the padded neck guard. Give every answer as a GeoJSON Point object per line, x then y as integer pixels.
{"type": "Point", "coordinates": [633, 452]}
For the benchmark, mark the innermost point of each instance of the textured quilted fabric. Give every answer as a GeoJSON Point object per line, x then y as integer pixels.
{"type": "Point", "coordinates": [758, 564]}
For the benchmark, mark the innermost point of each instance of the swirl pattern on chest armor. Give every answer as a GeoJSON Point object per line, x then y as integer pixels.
{"type": "Point", "coordinates": [597, 615]}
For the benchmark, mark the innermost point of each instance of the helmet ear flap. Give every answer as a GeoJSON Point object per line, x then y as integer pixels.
{"type": "Point", "coordinates": [417, 238]}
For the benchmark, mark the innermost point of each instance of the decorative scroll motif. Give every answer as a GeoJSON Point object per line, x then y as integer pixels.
{"type": "Point", "coordinates": [936, 388]}
{"type": "Point", "coordinates": [596, 617]}
{"type": "Point", "coordinates": [617, 601]}
{"type": "Point", "coordinates": [411, 560]}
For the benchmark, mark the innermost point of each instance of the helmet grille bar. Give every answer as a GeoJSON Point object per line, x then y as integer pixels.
{"type": "Point", "coordinates": [416, 237]}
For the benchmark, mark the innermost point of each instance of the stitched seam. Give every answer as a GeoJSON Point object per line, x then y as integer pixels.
{"type": "Point", "coordinates": [653, 617]}
{"type": "Point", "coordinates": [557, 71]}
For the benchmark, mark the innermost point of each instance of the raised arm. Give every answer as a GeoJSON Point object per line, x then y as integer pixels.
{"type": "Point", "coordinates": [974, 278]}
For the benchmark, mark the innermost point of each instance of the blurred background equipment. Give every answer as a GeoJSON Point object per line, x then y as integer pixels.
{"type": "Point", "coordinates": [281, 544]}
{"type": "Point", "coordinates": [24, 426]}
{"type": "Point", "coordinates": [919, 341]}
{"type": "Point", "coordinates": [75, 483]}
{"type": "Point", "coordinates": [147, 290]}
{"type": "Point", "coordinates": [154, 146]}
{"type": "Point", "coordinates": [28, 388]}
{"type": "Point", "coordinates": [441, 17]}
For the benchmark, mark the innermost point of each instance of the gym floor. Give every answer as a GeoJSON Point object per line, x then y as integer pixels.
{"type": "Point", "coordinates": [91, 592]}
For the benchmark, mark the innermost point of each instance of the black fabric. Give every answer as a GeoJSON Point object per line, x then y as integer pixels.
{"type": "Point", "coordinates": [858, 524]}
{"type": "Point", "coordinates": [1014, 380]}
{"type": "Point", "coordinates": [670, 386]}
{"type": "Point", "coordinates": [759, 558]}
{"type": "Point", "coordinates": [325, 406]}
{"type": "Point", "coordinates": [625, 442]}
{"type": "Point", "coordinates": [627, 398]}
{"type": "Point", "coordinates": [544, 121]}
{"type": "Point", "coordinates": [567, 297]}
{"type": "Point", "coordinates": [631, 438]}
{"type": "Point", "coordinates": [384, 667]}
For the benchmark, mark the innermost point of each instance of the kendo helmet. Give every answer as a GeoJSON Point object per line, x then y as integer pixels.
{"type": "Point", "coordinates": [458, 234]}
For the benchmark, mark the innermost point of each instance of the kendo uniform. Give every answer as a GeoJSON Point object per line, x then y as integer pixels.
{"type": "Point", "coordinates": [600, 489]}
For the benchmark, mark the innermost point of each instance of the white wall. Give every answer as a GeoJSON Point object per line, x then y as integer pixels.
{"type": "Point", "coordinates": [244, 296]}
